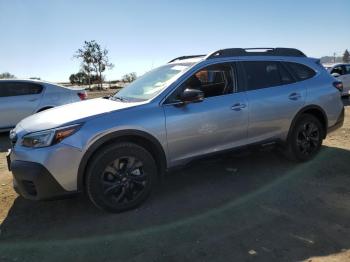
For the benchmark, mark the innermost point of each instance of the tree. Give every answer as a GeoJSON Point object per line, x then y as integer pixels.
{"type": "Point", "coordinates": [80, 78]}
{"type": "Point", "coordinates": [129, 77]}
{"type": "Point", "coordinates": [6, 75]}
{"type": "Point", "coordinates": [346, 56]}
{"type": "Point", "coordinates": [94, 59]}
{"type": "Point", "coordinates": [100, 61]}
{"type": "Point", "coordinates": [85, 54]}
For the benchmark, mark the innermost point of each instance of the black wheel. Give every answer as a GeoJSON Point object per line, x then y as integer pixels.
{"type": "Point", "coordinates": [306, 138]}
{"type": "Point", "coordinates": [120, 177]}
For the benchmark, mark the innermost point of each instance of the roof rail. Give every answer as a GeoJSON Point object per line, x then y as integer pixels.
{"type": "Point", "coordinates": [185, 57]}
{"type": "Point", "coordinates": [278, 51]}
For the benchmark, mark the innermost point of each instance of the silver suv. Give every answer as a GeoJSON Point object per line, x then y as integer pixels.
{"type": "Point", "coordinates": [115, 149]}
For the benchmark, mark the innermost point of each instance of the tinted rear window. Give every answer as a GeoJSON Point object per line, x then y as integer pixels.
{"type": "Point", "coordinates": [262, 74]}
{"type": "Point", "coordinates": [347, 69]}
{"type": "Point", "coordinates": [301, 72]}
{"type": "Point", "coordinates": [19, 89]}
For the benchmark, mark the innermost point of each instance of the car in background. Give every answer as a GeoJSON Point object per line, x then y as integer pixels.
{"type": "Point", "coordinates": [342, 73]}
{"type": "Point", "coordinates": [22, 98]}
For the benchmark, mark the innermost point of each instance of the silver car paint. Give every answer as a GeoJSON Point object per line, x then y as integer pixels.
{"type": "Point", "coordinates": [183, 132]}
{"type": "Point", "coordinates": [15, 108]}
{"type": "Point", "coordinates": [345, 79]}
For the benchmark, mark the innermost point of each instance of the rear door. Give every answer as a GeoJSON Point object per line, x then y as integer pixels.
{"type": "Point", "coordinates": [17, 101]}
{"type": "Point", "coordinates": [274, 97]}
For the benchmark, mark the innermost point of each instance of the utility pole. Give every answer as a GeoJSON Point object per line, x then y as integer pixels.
{"type": "Point", "coordinates": [334, 55]}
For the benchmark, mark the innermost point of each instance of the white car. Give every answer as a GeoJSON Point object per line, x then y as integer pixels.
{"type": "Point", "coordinates": [342, 73]}
{"type": "Point", "coordinates": [22, 98]}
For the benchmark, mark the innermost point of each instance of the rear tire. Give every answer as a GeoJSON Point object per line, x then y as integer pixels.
{"type": "Point", "coordinates": [305, 139]}
{"type": "Point", "coordinates": [120, 177]}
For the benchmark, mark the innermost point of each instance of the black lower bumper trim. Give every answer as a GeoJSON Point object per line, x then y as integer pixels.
{"type": "Point", "coordinates": [339, 122]}
{"type": "Point", "coordinates": [33, 181]}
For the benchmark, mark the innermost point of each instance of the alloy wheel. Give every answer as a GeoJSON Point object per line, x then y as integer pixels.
{"type": "Point", "coordinates": [124, 180]}
{"type": "Point", "coordinates": [308, 138]}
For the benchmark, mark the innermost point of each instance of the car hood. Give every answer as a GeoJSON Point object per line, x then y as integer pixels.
{"type": "Point", "coordinates": [71, 113]}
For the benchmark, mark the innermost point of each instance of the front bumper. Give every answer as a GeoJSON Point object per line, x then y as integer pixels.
{"type": "Point", "coordinates": [33, 181]}
{"type": "Point", "coordinates": [339, 122]}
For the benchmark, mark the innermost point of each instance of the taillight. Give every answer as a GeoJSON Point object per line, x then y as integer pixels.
{"type": "Point", "coordinates": [82, 96]}
{"type": "Point", "coordinates": [338, 85]}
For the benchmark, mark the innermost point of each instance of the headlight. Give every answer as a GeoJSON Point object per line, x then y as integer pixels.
{"type": "Point", "coordinates": [49, 137]}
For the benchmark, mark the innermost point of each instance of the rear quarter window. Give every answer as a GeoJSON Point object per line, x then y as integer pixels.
{"type": "Point", "coordinates": [301, 72]}
{"type": "Point", "coordinates": [19, 89]}
{"type": "Point", "coordinates": [347, 69]}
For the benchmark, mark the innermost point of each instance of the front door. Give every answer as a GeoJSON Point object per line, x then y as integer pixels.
{"type": "Point", "coordinates": [218, 122]}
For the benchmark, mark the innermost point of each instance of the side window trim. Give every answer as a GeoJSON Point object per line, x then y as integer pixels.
{"type": "Point", "coordinates": [242, 77]}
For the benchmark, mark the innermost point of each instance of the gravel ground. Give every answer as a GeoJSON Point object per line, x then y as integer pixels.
{"type": "Point", "coordinates": [96, 94]}
{"type": "Point", "coordinates": [252, 206]}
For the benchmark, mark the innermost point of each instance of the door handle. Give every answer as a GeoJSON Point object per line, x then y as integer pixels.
{"type": "Point", "coordinates": [294, 96]}
{"type": "Point", "coordinates": [32, 100]}
{"type": "Point", "coordinates": [238, 107]}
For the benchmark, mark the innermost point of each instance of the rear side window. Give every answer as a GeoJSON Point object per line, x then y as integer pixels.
{"type": "Point", "coordinates": [263, 74]}
{"type": "Point", "coordinates": [338, 70]}
{"type": "Point", "coordinates": [301, 72]}
{"type": "Point", "coordinates": [19, 89]}
{"type": "Point", "coordinates": [347, 69]}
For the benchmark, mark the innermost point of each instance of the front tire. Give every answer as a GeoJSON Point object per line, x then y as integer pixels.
{"type": "Point", "coordinates": [305, 139]}
{"type": "Point", "coordinates": [120, 177]}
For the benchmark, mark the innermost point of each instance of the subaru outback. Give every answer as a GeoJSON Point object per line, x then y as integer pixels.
{"type": "Point", "coordinates": [115, 149]}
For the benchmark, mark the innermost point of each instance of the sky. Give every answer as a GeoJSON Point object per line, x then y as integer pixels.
{"type": "Point", "coordinates": [40, 37]}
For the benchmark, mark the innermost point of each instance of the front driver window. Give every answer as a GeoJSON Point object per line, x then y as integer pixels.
{"type": "Point", "coordinates": [213, 80]}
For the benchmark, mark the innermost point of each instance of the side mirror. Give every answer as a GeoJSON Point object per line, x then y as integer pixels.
{"type": "Point", "coordinates": [335, 74]}
{"type": "Point", "coordinates": [191, 96]}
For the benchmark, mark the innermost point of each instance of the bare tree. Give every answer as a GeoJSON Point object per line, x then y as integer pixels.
{"type": "Point", "coordinates": [129, 77]}
{"type": "Point", "coordinates": [100, 61]}
{"type": "Point", "coordinates": [86, 55]}
{"type": "Point", "coordinates": [94, 59]}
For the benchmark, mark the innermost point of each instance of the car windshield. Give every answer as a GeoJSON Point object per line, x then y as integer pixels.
{"type": "Point", "coordinates": [152, 83]}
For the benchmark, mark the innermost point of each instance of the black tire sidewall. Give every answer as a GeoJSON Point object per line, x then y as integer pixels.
{"type": "Point", "coordinates": [292, 143]}
{"type": "Point", "coordinates": [103, 158]}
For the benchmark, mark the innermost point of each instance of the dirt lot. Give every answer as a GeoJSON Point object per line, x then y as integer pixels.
{"type": "Point", "coordinates": [255, 206]}
{"type": "Point", "coordinates": [96, 94]}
